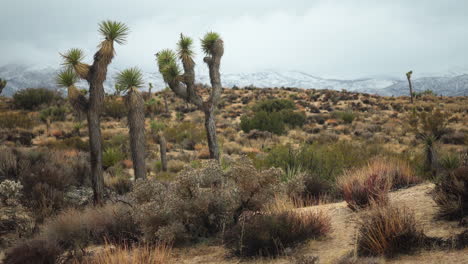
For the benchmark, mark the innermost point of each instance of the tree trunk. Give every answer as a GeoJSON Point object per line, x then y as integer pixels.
{"type": "Point", "coordinates": [136, 123]}
{"type": "Point", "coordinates": [210, 127]}
{"type": "Point", "coordinates": [95, 145]}
{"type": "Point", "coordinates": [166, 107]}
{"type": "Point", "coordinates": [410, 88]}
{"type": "Point", "coordinates": [163, 150]}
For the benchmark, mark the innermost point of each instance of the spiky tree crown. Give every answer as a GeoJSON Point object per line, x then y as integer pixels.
{"type": "Point", "coordinates": [168, 66]}
{"type": "Point", "coordinates": [130, 78]}
{"type": "Point", "coordinates": [185, 50]}
{"type": "Point", "coordinates": [208, 42]}
{"type": "Point", "coordinates": [66, 78]}
{"type": "Point", "coordinates": [114, 31]}
{"type": "Point", "coordinates": [72, 57]}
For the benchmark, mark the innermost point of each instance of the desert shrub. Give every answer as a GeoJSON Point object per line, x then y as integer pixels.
{"type": "Point", "coordinates": [53, 113]}
{"type": "Point", "coordinates": [115, 107]}
{"type": "Point", "coordinates": [270, 234]}
{"type": "Point", "coordinates": [188, 134]}
{"type": "Point", "coordinates": [451, 194]}
{"type": "Point", "coordinates": [73, 143]}
{"type": "Point", "coordinates": [10, 120]}
{"type": "Point", "coordinates": [263, 121]}
{"type": "Point", "coordinates": [159, 254]}
{"type": "Point", "coordinates": [272, 116]}
{"type": "Point", "coordinates": [450, 161]}
{"type": "Point", "coordinates": [8, 163]}
{"type": "Point", "coordinates": [322, 161]}
{"type": "Point", "coordinates": [153, 106]}
{"type": "Point", "coordinates": [368, 184]}
{"type": "Point", "coordinates": [387, 231]}
{"type": "Point", "coordinates": [274, 105]}
{"type": "Point", "coordinates": [347, 116]}
{"type": "Point", "coordinates": [202, 201]}
{"type": "Point", "coordinates": [112, 156]}
{"type": "Point", "coordinates": [118, 180]}
{"type": "Point", "coordinates": [32, 98]}
{"type": "Point", "coordinates": [10, 192]}
{"type": "Point", "coordinates": [74, 229]}
{"type": "Point", "coordinates": [175, 165]}
{"type": "Point", "coordinates": [33, 251]}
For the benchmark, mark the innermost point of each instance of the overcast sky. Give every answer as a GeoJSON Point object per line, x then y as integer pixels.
{"type": "Point", "coordinates": [342, 38]}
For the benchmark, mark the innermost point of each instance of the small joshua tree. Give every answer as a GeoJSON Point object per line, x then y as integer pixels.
{"type": "Point", "coordinates": [95, 75]}
{"type": "Point", "coordinates": [408, 76]}
{"type": "Point", "coordinates": [3, 83]}
{"type": "Point", "coordinates": [131, 79]}
{"type": "Point", "coordinates": [67, 78]}
{"type": "Point", "coordinates": [183, 84]}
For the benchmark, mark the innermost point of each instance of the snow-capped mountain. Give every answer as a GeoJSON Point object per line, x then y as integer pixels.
{"type": "Point", "coordinates": [454, 83]}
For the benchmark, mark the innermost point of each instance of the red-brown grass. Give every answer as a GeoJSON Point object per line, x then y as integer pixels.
{"type": "Point", "coordinates": [388, 231]}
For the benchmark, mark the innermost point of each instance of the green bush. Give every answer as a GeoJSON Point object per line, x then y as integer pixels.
{"type": "Point", "coordinates": [32, 98]}
{"type": "Point", "coordinates": [10, 120]}
{"type": "Point", "coordinates": [274, 105]}
{"type": "Point", "coordinates": [186, 133]}
{"type": "Point", "coordinates": [115, 107]}
{"type": "Point", "coordinates": [271, 122]}
{"type": "Point", "coordinates": [70, 143]}
{"type": "Point", "coordinates": [54, 113]}
{"type": "Point", "coordinates": [112, 156]}
{"type": "Point", "coordinates": [272, 116]}
{"type": "Point", "coordinates": [347, 116]}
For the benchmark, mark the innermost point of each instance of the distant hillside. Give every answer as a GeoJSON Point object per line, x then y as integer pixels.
{"type": "Point", "coordinates": [24, 76]}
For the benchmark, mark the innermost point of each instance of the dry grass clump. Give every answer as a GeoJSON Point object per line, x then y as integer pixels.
{"type": "Point", "coordinates": [160, 254]}
{"type": "Point", "coordinates": [369, 184]}
{"type": "Point", "coordinates": [269, 234]}
{"type": "Point", "coordinates": [388, 231]}
{"type": "Point", "coordinates": [451, 195]}
{"type": "Point", "coordinates": [75, 229]}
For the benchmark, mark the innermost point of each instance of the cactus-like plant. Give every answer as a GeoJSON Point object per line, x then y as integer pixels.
{"type": "Point", "coordinates": [3, 83]}
{"type": "Point", "coordinates": [131, 79]}
{"type": "Point", "coordinates": [67, 78]}
{"type": "Point", "coordinates": [158, 137]}
{"type": "Point", "coordinates": [183, 83]}
{"type": "Point", "coordinates": [95, 75]}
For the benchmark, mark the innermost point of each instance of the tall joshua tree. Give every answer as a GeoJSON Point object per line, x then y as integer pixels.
{"type": "Point", "coordinates": [408, 76]}
{"type": "Point", "coordinates": [131, 79]}
{"type": "Point", "coordinates": [2, 85]}
{"type": "Point", "coordinates": [183, 84]}
{"type": "Point", "coordinates": [95, 75]}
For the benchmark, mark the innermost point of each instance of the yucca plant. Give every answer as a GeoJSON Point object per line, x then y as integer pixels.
{"type": "Point", "coordinates": [131, 80]}
{"type": "Point", "coordinates": [95, 75]}
{"type": "Point", "coordinates": [3, 83]}
{"type": "Point", "coordinates": [183, 83]}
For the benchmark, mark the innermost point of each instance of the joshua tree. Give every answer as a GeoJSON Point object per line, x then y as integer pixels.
{"type": "Point", "coordinates": [158, 137]}
{"type": "Point", "coordinates": [408, 76]}
{"type": "Point", "coordinates": [2, 85]}
{"type": "Point", "coordinates": [131, 79]}
{"type": "Point", "coordinates": [95, 75]}
{"type": "Point", "coordinates": [67, 78]}
{"type": "Point", "coordinates": [183, 84]}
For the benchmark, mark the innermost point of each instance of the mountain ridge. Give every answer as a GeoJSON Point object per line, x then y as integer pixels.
{"type": "Point", "coordinates": [20, 76]}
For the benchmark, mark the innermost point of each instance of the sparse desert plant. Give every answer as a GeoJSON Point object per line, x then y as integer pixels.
{"type": "Point", "coordinates": [183, 84]}
{"type": "Point", "coordinates": [132, 79]}
{"type": "Point", "coordinates": [95, 75]}
{"type": "Point", "coordinates": [388, 231]}
{"type": "Point", "coordinates": [347, 116]}
{"type": "Point", "coordinates": [451, 194]}
{"type": "Point", "coordinates": [157, 131]}
{"type": "Point", "coordinates": [269, 234]}
{"type": "Point", "coordinates": [10, 192]}
{"type": "Point", "coordinates": [185, 133]}
{"type": "Point", "coordinates": [115, 107]}
{"type": "Point", "coordinates": [32, 98]}
{"type": "Point", "coordinates": [67, 78]}
{"type": "Point", "coordinates": [158, 254]}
